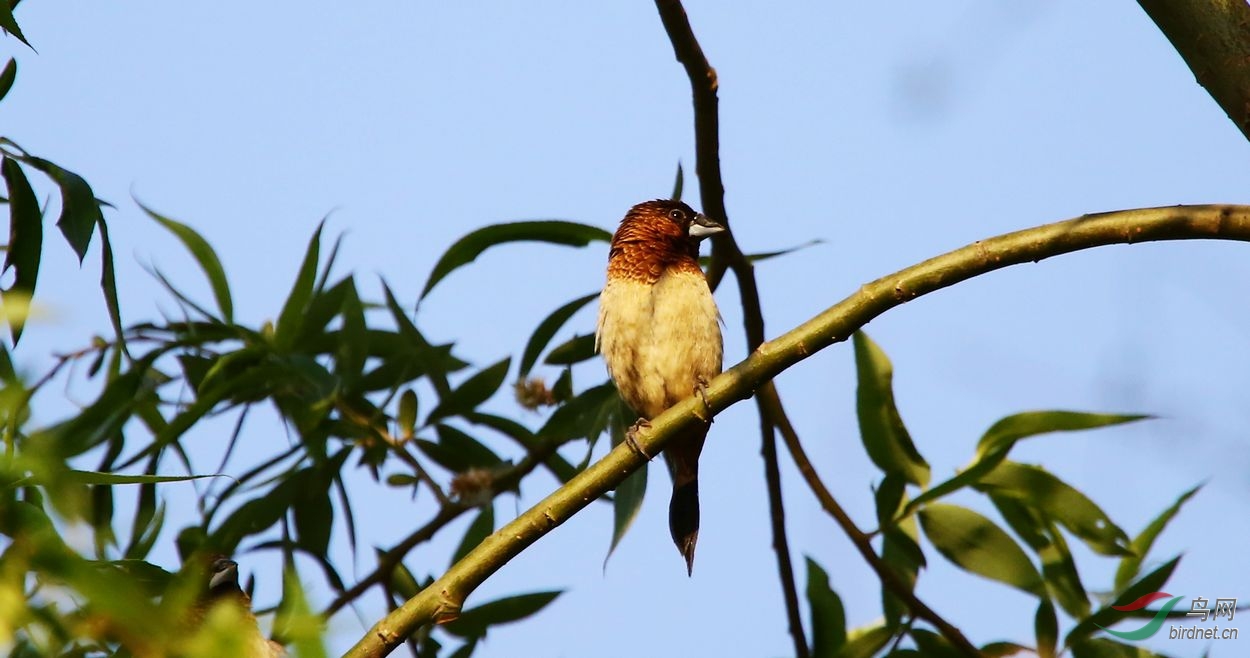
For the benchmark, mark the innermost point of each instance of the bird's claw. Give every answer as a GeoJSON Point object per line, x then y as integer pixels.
{"type": "Point", "coordinates": [700, 387]}
{"type": "Point", "coordinates": [631, 437]}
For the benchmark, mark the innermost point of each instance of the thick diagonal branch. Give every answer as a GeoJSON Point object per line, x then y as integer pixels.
{"type": "Point", "coordinates": [443, 600]}
{"type": "Point", "coordinates": [1213, 37]}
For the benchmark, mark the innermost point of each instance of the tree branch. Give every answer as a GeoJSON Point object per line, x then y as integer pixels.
{"type": "Point", "coordinates": [1213, 37]}
{"type": "Point", "coordinates": [727, 253]}
{"type": "Point", "coordinates": [443, 600]}
{"type": "Point", "coordinates": [862, 542]}
{"type": "Point", "coordinates": [447, 513]}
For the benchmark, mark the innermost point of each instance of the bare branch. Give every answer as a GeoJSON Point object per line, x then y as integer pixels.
{"type": "Point", "coordinates": [1213, 37]}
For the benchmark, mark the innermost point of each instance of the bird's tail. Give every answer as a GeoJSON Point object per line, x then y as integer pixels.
{"type": "Point", "coordinates": [682, 456]}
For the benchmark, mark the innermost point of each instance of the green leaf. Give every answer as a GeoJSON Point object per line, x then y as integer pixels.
{"type": "Point", "coordinates": [547, 329]}
{"type": "Point", "coordinates": [1102, 647]}
{"type": "Point", "coordinates": [407, 417]}
{"type": "Point", "coordinates": [473, 392]}
{"type": "Point", "coordinates": [291, 319]}
{"type": "Point", "coordinates": [1046, 628]}
{"type": "Point", "coordinates": [470, 453]}
{"type": "Point", "coordinates": [10, 24]}
{"type": "Point", "coordinates": [256, 515]}
{"type": "Point", "coordinates": [575, 350]}
{"type": "Point", "coordinates": [7, 77]}
{"type": "Point", "coordinates": [678, 183]}
{"type": "Point", "coordinates": [998, 440]}
{"type": "Point", "coordinates": [585, 416]}
{"type": "Point", "coordinates": [1107, 615]}
{"type": "Point", "coordinates": [1003, 649]}
{"type": "Point", "coordinates": [889, 498]}
{"type": "Point", "coordinates": [627, 501]}
{"type": "Point", "coordinates": [768, 255]}
{"type": "Point", "coordinates": [353, 345]}
{"type": "Point", "coordinates": [559, 466]}
{"type": "Point", "coordinates": [313, 512]}
{"type": "Point", "coordinates": [932, 645]}
{"type": "Point", "coordinates": [865, 642]}
{"type": "Point", "coordinates": [108, 284]}
{"type": "Point", "coordinates": [466, 249]}
{"type": "Point", "coordinates": [881, 428]}
{"type": "Point", "coordinates": [98, 478]}
{"type": "Point", "coordinates": [1130, 565]}
{"type": "Point", "coordinates": [25, 242]}
{"type": "Point", "coordinates": [902, 553]}
{"type": "Point", "coordinates": [80, 212]}
{"type": "Point", "coordinates": [1058, 569]}
{"type": "Point", "coordinates": [977, 545]}
{"type": "Point", "coordinates": [828, 615]}
{"type": "Point", "coordinates": [204, 256]}
{"type": "Point", "coordinates": [475, 621]}
{"type": "Point", "coordinates": [1038, 489]}
{"type": "Point", "coordinates": [480, 529]}
{"type": "Point", "coordinates": [295, 619]}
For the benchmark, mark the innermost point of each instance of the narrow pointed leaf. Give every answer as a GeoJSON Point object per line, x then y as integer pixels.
{"type": "Point", "coordinates": [466, 249]}
{"type": "Point", "coordinates": [977, 545]}
{"type": "Point", "coordinates": [547, 329]}
{"type": "Point", "coordinates": [9, 24]}
{"type": "Point", "coordinates": [475, 621]}
{"type": "Point", "coordinates": [627, 501]}
{"type": "Point", "coordinates": [480, 529]}
{"type": "Point", "coordinates": [881, 428]}
{"type": "Point", "coordinates": [1046, 628]}
{"type": "Point", "coordinates": [1041, 490]}
{"type": "Point", "coordinates": [828, 614]}
{"type": "Point", "coordinates": [291, 319]}
{"type": "Point", "coordinates": [575, 350]}
{"type": "Point", "coordinates": [473, 392]}
{"type": "Point", "coordinates": [678, 183]}
{"type": "Point", "coordinates": [998, 440]}
{"type": "Point", "coordinates": [25, 242]}
{"type": "Point", "coordinates": [80, 212]}
{"type": "Point", "coordinates": [204, 256]}
{"type": "Point", "coordinates": [1107, 615]}
{"type": "Point", "coordinates": [7, 77]}
{"type": "Point", "coordinates": [1130, 565]}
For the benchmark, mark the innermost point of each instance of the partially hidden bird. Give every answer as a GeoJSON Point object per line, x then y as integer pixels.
{"type": "Point", "coordinates": [659, 333]}
{"type": "Point", "coordinates": [223, 589]}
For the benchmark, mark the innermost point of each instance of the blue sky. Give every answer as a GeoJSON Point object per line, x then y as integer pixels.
{"type": "Point", "coordinates": [891, 133]}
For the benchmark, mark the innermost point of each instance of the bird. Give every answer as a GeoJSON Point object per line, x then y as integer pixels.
{"type": "Point", "coordinates": [223, 589]}
{"type": "Point", "coordinates": [659, 334]}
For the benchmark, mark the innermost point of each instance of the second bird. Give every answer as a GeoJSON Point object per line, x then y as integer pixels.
{"type": "Point", "coordinates": [659, 332]}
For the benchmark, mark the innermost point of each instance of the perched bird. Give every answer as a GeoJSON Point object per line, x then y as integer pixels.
{"type": "Point", "coordinates": [659, 332]}
{"type": "Point", "coordinates": [223, 589]}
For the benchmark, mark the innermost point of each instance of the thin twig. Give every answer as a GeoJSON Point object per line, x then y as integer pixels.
{"type": "Point", "coordinates": [726, 252]}
{"type": "Point", "coordinates": [862, 542]}
{"type": "Point", "coordinates": [447, 513]}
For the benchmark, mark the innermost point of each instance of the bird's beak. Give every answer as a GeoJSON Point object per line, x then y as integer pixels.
{"type": "Point", "coordinates": [703, 227]}
{"type": "Point", "coordinates": [224, 572]}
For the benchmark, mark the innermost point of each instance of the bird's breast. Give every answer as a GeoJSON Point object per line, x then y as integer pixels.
{"type": "Point", "coordinates": [659, 339]}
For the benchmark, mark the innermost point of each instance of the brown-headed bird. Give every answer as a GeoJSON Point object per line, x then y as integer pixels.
{"type": "Point", "coordinates": [659, 332]}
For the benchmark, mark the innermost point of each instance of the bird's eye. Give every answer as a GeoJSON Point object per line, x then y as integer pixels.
{"type": "Point", "coordinates": [677, 214]}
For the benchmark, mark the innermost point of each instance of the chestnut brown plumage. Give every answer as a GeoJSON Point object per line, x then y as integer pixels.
{"type": "Point", "coordinates": [659, 332]}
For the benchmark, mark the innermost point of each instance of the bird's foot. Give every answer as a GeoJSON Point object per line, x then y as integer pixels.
{"type": "Point", "coordinates": [631, 437]}
{"type": "Point", "coordinates": [700, 387]}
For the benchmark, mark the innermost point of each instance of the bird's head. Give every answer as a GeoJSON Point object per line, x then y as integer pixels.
{"type": "Point", "coordinates": [223, 576]}
{"type": "Point", "coordinates": [656, 235]}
